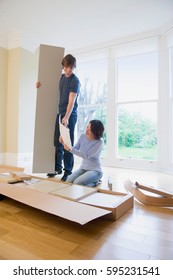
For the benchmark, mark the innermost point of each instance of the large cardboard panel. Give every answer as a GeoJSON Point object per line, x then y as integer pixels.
{"type": "Point", "coordinates": [50, 71]}
{"type": "Point", "coordinates": [73, 211]}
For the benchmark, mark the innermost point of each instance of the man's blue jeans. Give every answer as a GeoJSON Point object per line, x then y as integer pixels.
{"type": "Point", "coordinates": [61, 155]}
{"type": "Point", "coordinates": [84, 177]}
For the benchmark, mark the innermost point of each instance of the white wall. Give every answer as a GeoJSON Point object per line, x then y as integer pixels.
{"type": "Point", "coordinates": [27, 100]}
{"type": "Point", "coordinates": [3, 98]}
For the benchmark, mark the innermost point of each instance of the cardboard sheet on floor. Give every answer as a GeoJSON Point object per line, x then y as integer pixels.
{"type": "Point", "coordinates": [47, 186]}
{"type": "Point", "coordinates": [70, 210]}
{"type": "Point", "coordinates": [74, 192]}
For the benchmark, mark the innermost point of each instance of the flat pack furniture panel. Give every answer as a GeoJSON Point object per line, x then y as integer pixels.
{"type": "Point", "coordinates": [74, 192]}
{"type": "Point", "coordinates": [50, 71]}
{"type": "Point", "coordinates": [47, 186]}
{"type": "Point", "coordinates": [102, 199]}
{"type": "Point", "coordinates": [70, 210]}
{"type": "Point", "coordinates": [116, 202]}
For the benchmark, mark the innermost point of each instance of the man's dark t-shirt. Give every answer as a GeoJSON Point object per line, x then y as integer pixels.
{"type": "Point", "coordinates": [67, 85]}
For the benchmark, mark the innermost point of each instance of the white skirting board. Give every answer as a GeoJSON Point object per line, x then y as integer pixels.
{"type": "Point", "coordinates": [17, 159]}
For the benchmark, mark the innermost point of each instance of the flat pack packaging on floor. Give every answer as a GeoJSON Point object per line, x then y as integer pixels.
{"type": "Point", "coordinates": [72, 202]}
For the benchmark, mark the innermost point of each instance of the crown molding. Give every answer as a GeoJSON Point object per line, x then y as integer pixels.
{"type": "Point", "coordinates": [17, 40]}
{"type": "Point", "coordinates": [3, 42]}
{"type": "Point", "coordinates": [164, 30]}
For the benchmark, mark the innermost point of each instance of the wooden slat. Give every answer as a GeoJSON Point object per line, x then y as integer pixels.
{"type": "Point", "coordinates": [154, 190]}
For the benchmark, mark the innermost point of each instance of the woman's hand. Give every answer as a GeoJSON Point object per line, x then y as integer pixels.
{"type": "Point", "coordinates": [61, 140]}
{"type": "Point", "coordinates": [67, 148]}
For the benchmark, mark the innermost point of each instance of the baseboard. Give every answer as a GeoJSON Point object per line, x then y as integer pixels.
{"type": "Point", "coordinates": [2, 158]}
{"type": "Point", "coordinates": [17, 159]}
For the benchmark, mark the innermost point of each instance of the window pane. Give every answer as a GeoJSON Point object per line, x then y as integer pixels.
{"type": "Point", "coordinates": [93, 78]}
{"type": "Point", "coordinates": [171, 71]}
{"type": "Point", "coordinates": [137, 131]}
{"type": "Point", "coordinates": [93, 95]}
{"type": "Point", "coordinates": [171, 94]}
{"type": "Point", "coordinates": [137, 77]}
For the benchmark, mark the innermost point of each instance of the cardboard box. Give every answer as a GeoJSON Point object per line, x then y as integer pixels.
{"type": "Point", "coordinates": [108, 204]}
{"type": "Point", "coordinates": [70, 210]}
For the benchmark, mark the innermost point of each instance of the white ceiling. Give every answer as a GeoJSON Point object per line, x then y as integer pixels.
{"type": "Point", "coordinates": [80, 23]}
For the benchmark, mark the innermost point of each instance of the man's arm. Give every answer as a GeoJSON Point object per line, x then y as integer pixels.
{"type": "Point", "coordinates": [71, 101]}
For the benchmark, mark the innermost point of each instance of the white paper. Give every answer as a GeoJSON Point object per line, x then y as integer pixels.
{"type": "Point", "coordinates": [65, 134]}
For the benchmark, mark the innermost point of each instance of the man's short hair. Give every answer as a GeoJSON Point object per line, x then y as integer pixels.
{"type": "Point", "coordinates": [69, 61]}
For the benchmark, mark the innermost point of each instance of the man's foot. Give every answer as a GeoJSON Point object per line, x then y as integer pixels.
{"type": "Point", "coordinates": [64, 177]}
{"type": "Point", "coordinates": [59, 172]}
{"type": "Point", "coordinates": [53, 174]}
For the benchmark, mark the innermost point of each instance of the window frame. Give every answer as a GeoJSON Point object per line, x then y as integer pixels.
{"type": "Point", "coordinates": [133, 162]}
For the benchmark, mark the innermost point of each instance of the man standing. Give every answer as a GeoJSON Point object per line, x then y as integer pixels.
{"type": "Point", "coordinates": [69, 87]}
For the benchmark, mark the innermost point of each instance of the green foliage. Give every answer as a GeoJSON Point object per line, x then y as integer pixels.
{"type": "Point", "coordinates": [135, 131]}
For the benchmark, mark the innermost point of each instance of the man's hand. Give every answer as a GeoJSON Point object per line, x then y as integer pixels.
{"type": "Point", "coordinates": [65, 121]}
{"type": "Point", "coordinates": [67, 148]}
{"type": "Point", "coordinates": [38, 84]}
{"type": "Point", "coordinates": [71, 101]}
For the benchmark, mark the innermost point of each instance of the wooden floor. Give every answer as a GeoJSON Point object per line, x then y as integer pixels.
{"type": "Point", "coordinates": [144, 232]}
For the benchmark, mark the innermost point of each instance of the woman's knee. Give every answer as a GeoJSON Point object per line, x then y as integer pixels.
{"type": "Point", "coordinates": [69, 180]}
{"type": "Point", "coordinates": [79, 181]}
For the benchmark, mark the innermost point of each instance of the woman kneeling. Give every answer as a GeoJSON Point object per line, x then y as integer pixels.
{"type": "Point", "coordinates": [88, 147]}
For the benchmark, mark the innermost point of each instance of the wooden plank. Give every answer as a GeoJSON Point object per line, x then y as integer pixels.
{"type": "Point", "coordinates": [147, 199]}
{"type": "Point", "coordinates": [154, 190]}
{"type": "Point", "coordinates": [21, 176]}
{"type": "Point", "coordinates": [7, 178]}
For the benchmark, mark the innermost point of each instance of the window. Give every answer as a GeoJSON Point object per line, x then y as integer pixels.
{"type": "Point", "coordinates": [93, 96]}
{"type": "Point", "coordinates": [171, 95]}
{"type": "Point", "coordinates": [137, 106]}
